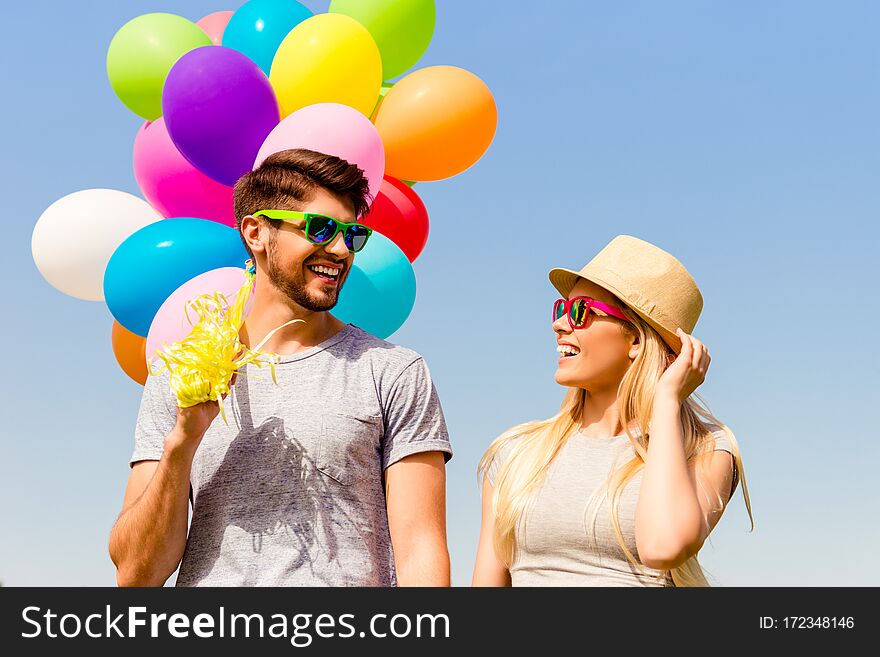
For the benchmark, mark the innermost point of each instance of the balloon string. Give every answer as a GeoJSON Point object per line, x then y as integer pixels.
{"type": "Point", "coordinates": [202, 364]}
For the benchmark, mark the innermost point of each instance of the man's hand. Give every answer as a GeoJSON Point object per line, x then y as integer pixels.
{"type": "Point", "coordinates": [194, 421]}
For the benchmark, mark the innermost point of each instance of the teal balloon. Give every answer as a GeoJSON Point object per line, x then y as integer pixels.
{"type": "Point", "coordinates": [258, 27]}
{"type": "Point", "coordinates": [401, 28]}
{"type": "Point", "coordinates": [380, 290]}
{"type": "Point", "coordinates": [156, 260]}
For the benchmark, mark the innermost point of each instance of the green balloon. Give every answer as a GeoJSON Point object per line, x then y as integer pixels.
{"type": "Point", "coordinates": [411, 183]}
{"type": "Point", "coordinates": [141, 54]}
{"type": "Point", "coordinates": [401, 28]}
{"type": "Point", "coordinates": [386, 87]}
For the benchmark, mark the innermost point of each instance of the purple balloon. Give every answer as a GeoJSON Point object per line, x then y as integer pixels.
{"type": "Point", "coordinates": [219, 107]}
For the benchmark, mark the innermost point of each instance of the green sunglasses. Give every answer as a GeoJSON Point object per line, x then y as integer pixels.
{"type": "Point", "coordinates": [321, 229]}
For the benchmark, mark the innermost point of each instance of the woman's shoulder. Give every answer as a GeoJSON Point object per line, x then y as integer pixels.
{"type": "Point", "coordinates": [503, 447]}
{"type": "Point", "coordinates": [720, 439]}
{"type": "Point", "coordinates": [506, 446]}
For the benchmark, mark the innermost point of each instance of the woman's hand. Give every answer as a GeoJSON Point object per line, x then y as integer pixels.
{"type": "Point", "coordinates": [686, 372]}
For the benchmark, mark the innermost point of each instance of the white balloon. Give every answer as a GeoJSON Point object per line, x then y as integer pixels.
{"type": "Point", "coordinates": [76, 235]}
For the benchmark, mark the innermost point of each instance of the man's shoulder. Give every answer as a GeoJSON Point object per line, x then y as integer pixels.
{"type": "Point", "coordinates": [380, 351]}
{"type": "Point", "coordinates": [158, 381]}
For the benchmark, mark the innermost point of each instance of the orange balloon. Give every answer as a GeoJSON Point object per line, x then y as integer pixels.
{"type": "Point", "coordinates": [435, 123]}
{"type": "Point", "coordinates": [130, 351]}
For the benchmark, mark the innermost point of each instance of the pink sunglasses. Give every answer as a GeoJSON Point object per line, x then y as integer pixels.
{"type": "Point", "coordinates": [578, 311]}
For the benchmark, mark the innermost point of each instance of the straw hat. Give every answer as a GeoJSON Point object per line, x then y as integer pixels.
{"type": "Point", "coordinates": [650, 281]}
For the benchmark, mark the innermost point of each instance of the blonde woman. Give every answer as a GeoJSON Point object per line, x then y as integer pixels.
{"type": "Point", "coordinates": [623, 485]}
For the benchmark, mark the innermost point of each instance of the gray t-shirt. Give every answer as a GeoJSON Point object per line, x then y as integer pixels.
{"type": "Point", "coordinates": [291, 492]}
{"type": "Point", "coordinates": [558, 544]}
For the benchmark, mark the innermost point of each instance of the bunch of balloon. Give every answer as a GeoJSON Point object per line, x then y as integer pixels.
{"type": "Point", "coordinates": [220, 95]}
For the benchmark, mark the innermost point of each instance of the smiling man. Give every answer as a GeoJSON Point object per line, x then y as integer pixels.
{"type": "Point", "coordinates": [334, 476]}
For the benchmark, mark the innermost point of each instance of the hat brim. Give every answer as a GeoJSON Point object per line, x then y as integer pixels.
{"type": "Point", "coordinates": [564, 281]}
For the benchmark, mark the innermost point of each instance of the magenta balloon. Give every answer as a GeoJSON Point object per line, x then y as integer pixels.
{"type": "Point", "coordinates": [173, 186]}
{"type": "Point", "coordinates": [218, 107]}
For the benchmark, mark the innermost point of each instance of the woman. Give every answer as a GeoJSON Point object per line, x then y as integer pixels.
{"type": "Point", "coordinates": [624, 484]}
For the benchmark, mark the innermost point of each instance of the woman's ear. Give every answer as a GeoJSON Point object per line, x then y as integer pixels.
{"type": "Point", "coordinates": [635, 347]}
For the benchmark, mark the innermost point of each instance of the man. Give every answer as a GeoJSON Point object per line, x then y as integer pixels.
{"type": "Point", "coordinates": [334, 476]}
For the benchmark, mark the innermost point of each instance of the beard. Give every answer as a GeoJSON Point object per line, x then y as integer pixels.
{"type": "Point", "coordinates": [293, 285]}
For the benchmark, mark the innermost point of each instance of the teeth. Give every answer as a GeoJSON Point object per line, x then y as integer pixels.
{"type": "Point", "coordinates": [568, 349]}
{"type": "Point", "coordinates": [325, 270]}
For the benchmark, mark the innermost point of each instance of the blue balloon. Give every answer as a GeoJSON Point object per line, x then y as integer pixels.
{"type": "Point", "coordinates": [153, 262]}
{"type": "Point", "coordinates": [380, 290]}
{"type": "Point", "coordinates": [258, 27]}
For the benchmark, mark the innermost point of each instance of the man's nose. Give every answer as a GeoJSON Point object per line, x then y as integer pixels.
{"type": "Point", "coordinates": [337, 246]}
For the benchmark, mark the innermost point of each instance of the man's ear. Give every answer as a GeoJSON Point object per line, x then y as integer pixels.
{"type": "Point", "coordinates": [250, 233]}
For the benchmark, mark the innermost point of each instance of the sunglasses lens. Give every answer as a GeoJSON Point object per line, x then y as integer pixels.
{"type": "Point", "coordinates": [356, 237]}
{"type": "Point", "coordinates": [558, 309]}
{"type": "Point", "coordinates": [579, 313]}
{"type": "Point", "coordinates": [321, 229]}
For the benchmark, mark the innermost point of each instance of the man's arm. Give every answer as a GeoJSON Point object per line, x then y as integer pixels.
{"type": "Point", "coordinates": [415, 493]}
{"type": "Point", "coordinates": [149, 537]}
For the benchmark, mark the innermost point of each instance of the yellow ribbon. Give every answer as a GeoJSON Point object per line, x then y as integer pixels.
{"type": "Point", "coordinates": [202, 364]}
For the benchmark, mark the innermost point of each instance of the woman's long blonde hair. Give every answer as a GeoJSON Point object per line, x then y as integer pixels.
{"type": "Point", "coordinates": [523, 471]}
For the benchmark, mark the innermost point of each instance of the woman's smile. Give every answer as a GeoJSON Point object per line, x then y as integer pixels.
{"type": "Point", "coordinates": [567, 350]}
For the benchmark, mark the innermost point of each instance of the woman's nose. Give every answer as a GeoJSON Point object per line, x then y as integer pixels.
{"type": "Point", "coordinates": [561, 325]}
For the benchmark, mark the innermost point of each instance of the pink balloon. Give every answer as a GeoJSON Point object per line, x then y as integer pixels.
{"type": "Point", "coordinates": [170, 323]}
{"type": "Point", "coordinates": [174, 186]}
{"type": "Point", "coordinates": [214, 24]}
{"type": "Point", "coordinates": [333, 129]}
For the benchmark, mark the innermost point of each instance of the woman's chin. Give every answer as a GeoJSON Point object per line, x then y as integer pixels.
{"type": "Point", "coordinates": [573, 379]}
{"type": "Point", "coordinates": [565, 379]}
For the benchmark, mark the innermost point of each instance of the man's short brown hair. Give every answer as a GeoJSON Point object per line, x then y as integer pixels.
{"type": "Point", "coordinates": [286, 179]}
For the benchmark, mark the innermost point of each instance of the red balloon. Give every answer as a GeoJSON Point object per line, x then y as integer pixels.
{"type": "Point", "coordinates": [399, 214]}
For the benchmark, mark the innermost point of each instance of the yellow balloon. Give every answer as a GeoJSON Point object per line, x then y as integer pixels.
{"type": "Point", "coordinates": [328, 58]}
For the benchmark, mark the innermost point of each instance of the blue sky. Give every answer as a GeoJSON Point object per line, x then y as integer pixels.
{"type": "Point", "coordinates": [742, 137]}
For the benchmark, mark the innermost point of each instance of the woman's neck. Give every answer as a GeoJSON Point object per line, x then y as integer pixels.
{"type": "Point", "coordinates": [600, 417]}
